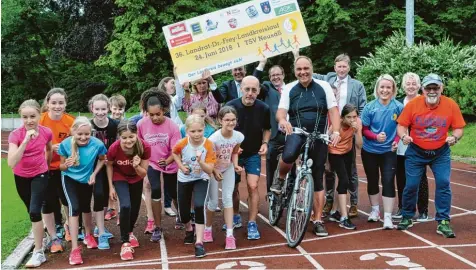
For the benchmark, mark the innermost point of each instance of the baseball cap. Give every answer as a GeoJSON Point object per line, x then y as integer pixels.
{"type": "Point", "coordinates": [432, 79]}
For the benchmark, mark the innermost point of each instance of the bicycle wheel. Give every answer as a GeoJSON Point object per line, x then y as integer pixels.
{"type": "Point", "coordinates": [299, 210]}
{"type": "Point", "coordinates": [275, 207]}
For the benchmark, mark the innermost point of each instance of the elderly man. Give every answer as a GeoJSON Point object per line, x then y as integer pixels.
{"type": "Point", "coordinates": [429, 117]}
{"type": "Point", "coordinates": [308, 103]}
{"type": "Point", "coordinates": [254, 123]}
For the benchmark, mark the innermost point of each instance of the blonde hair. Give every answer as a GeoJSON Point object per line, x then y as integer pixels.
{"type": "Point", "coordinates": [192, 119]}
{"type": "Point", "coordinates": [118, 100]}
{"type": "Point", "coordinates": [44, 107]}
{"type": "Point", "coordinates": [79, 122]}
{"type": "Point", "coordinates": [208, 119]}
{"type": "Point", "coordinates": [194, 87]}
{"type": "Point", "coordinates": [408, 76]}
{"type": "Point", "coordinates": [98, 97]}
{"type": "Point", "coordinates": [30, 103]}
{"type": "Point", "coordinates": [387, 77]}
{"type": "Point", "coordinates": [342, 57]}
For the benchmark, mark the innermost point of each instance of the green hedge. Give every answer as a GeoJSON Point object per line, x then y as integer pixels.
{"type": "Point", "coordinates": [455, 63]}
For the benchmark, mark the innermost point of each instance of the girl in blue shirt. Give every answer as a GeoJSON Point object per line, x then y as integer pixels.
{"type": "Point", "coordinates": [78, 154]}
{"type": "Point", "coordinates": [210, 126]}
{"type": "Point", "coordinates": [379, 121]}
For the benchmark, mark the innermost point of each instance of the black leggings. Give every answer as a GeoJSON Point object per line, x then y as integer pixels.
{"type": "Point", "coordinates": [32, 191]}
{"type": "Point", "coordinates": [422, 202]}
{"type": "Point", "coordinates": [170, 183]}
{"type": "Point", "coordinates": [130, 197]}
{"type": "Point", "coordinates": [342, 165]}
{"type": "Point", "coordinates": [317, 152]}
{"type": "Point", "coordinates": [199, 190]}
{"type": "Point", "coordinates": [101, 191]}
{"type": "Point", "coordinates": [55, 190]}
{"type": "Point", "coordinates": [78, 196]}
{"type": "Point", "coordinates": [385, 165]}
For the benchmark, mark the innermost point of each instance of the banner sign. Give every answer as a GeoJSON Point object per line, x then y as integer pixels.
{"type": "Point", "coordinates": [235, 36]}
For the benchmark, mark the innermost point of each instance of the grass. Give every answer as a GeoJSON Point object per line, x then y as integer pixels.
{"type": "Point", "coordinates": [15, 220]}
{"type": "Point", "coordinates": [466, 146]}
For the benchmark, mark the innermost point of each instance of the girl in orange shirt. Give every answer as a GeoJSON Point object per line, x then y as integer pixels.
{"type": "Point", "coordinates": [340, 159]}
{"type": "Point", "coordinates": [54, 117]}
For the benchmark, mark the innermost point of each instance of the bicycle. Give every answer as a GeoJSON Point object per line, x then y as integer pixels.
{"type": "Point", "coordinates": [297, 196]}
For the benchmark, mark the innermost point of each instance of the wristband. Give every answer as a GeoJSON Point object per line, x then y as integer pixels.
{"type": "Point", "coordinates": [336, 133]}
{"type": "Point", "coordinates": [264, 143]}
{"type": "Point", "coordinates": [456, 138]}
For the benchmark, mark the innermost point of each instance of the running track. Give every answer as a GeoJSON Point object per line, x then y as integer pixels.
{"type": "Point", "coordinates": [367, 247]}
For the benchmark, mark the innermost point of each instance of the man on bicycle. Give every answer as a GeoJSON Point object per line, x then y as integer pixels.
{"type": "Point", "coordinates": [308, 101]}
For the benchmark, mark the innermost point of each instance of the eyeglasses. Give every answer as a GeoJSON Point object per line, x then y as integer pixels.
{"type": "Point", "coordinates": [430, 89]}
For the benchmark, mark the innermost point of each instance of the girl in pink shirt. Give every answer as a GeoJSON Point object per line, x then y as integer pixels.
{"type": "Point", "coordinates": [29, 153]}
{"type": "Point", "coordinates": [161, 133]}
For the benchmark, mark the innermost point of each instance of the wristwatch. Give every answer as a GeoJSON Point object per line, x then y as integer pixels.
{"type": "Point", "coordinates": [264, 143]}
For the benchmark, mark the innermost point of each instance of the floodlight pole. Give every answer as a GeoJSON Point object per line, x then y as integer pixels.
{"type": "Point", "coordinates": [410, 22]}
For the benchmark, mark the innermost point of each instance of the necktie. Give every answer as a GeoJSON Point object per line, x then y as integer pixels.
{"type": "Point", "coordinates": [238, 88]}
{"type": "Point", "coordinates": [337, 91]}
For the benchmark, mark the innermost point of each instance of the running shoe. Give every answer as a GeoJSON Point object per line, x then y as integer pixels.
{"type": "Point", "coordinates": [110, 214]}
{"type": "Point", "coordinates": [67, 236]}
{"type": "Point", "coordinates": [253, 233]}
{"type": "Point", "coordinates": [388, 223]}
{"type": "Point", "coordinates": [80, 234]}
{"type": "Point", "coordinates": [103, 242]}
{"type": "Point", "coordinates": [405, 223]}
{"type": "Point", "coordinates": [230, 242]}
{"type": "Point", "coordinates": [347, 224]}
{"type": "Point", "coordinates": [90, 242]}
{"type": "Point", "coordinates": [353, 211]}
{"type": "Point", "coordinates": [56, 246]}
{"type": "Point", "coordinates": [423, 217]}
{"type": "Point", "coordinates": [237, 223]}
{"type": "Point", "coordinates": [169, 212]}
{"type": "Point", "coordinates": [106, 232]}
{"type": "Point", "coordinates": [445, 229]}
{"type": "Point", "coordinates": [75, 256]}
{"type": "Point", "coordinates": [189, 238]}
{"type": "Point", "coordinates": [335, 217]}
{"type": "Point", "coordinates": [207, 236]}
{"type": "Point", "coordinates": [178, 224]}
{"type": "Point", "coordinates": [60, 231]}
{"type": "Point", "coordinates": [133, 240]}
{"type": "Point", "coordinates": [37, 258]}
{"type": "Point", "coordinates": [149, 229]}
{"type": "Point", "coordinates": [374, 216]}
{"type": "Point", "coordinates": [319, 229]}
{"type": "Point", "coordinates": [127, 252]}
{"type": "Point", "coordinates": [398, 215]}
{"type": "Point", "coordinates": [199, 250]}
{"type": "Point", "coordinates": [327, 207]}
{"type": "Point", "coordinates": [156, 235]}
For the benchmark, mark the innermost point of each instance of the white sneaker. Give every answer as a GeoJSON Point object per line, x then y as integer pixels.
{"type": "Point", "coordinates": [374, 216]}
{"type": "Point", "coordinates": [36, 259]}
{"type": "Point", "coordinates": [169, 212]}
{"type": "Point", "coordinates": [388, 223]}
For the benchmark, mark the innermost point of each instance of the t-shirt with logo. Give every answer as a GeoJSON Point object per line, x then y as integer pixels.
{"type": "Point", "coordinates": [381, 118]}
{"type": "Point", "coordinates": [33, 162]}
{"type": "Point", "coordinates": [61, 129]}
{"type": "Point", "coordinates": [87, 157]}
{"type": "Point", "coordinates": [108, 134]}
{"type": "Point", "coordinates": [122, 169]}
{"type": "Point", "coordinates": [189, 159]}
{"type": "Point", "coordinates": [161, 139]}
{"type": "Point", "coordinates": [429, 127]}
{"type": "Point", "coordinates": [224, 148]}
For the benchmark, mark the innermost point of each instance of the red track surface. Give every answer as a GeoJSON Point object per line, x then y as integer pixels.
{"type": "Point", "coordinates": [367, 247]}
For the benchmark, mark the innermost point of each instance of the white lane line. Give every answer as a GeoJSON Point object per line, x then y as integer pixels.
{"type": "Point", "coordinates": [342, 234]}
{"type": "Point", "coordinates": [451, 182]}
{"type": "Point", "coordinates": [458, 246]}
{"type": "Point", "coordinates": [461, 170]}
{"type": "Point", "coordinates": [455, 207]}
{"type": "Point", "coordinates": [454, 255]}
{"type": "Point", "coordinates": [299, 248]}
{"type": "Point", "coordinates": [163, 249]}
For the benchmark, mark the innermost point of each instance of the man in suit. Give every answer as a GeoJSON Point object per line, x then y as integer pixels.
{"type": "Point", "coordinates": [231, 89]}
{"type": "Point", "coordinates": [351, 91]}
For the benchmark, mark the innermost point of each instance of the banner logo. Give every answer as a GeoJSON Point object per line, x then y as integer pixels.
{"type": "Point", "coordinates": [285, 9]}
{"type": "Point", "coordinates": [196, 28]}
{"type": "Point", "coordinates": [177, 29]}
{"type": "Point", "coordinates": [252, 12]}
{"type": "Point", "coordinates": [265, 7]}
{"type": "Point", "coordinates": [211, 25]}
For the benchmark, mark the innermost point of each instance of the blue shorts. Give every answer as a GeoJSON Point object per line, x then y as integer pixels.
{"type": "Point", "coordinates": [251, 165]}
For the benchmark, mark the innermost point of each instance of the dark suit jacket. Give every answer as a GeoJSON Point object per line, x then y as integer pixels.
{"type": "Point", "coordinates": [227, 91]}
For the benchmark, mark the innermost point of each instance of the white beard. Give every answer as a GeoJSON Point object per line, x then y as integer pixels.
{"type": "Point", "coordinates": [432, 100]}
